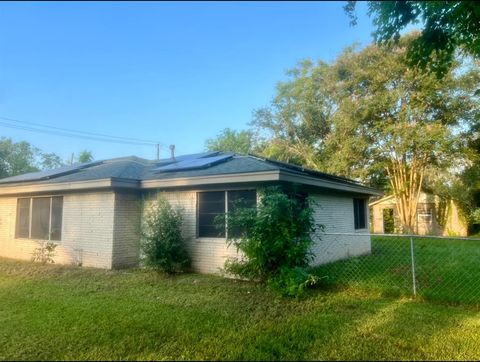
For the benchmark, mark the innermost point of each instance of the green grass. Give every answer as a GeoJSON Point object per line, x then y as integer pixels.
{"type": "Point", "coordinates": [59, 312]}
{"type": "Point", "coordinates": [447, 270]}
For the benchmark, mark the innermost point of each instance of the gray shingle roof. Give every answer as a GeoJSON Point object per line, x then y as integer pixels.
{"type": "Point", "coordinates": [135, 168]}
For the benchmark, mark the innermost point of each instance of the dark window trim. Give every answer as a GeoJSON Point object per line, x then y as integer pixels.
{"type": "Point", "coordinates": [198, 214]}
{"type": "Point", "coordinates": [359, 224]}
{"type": "Point", "coordinates": [30, 217]}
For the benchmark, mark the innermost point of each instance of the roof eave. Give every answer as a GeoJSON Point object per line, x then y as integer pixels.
{"type": "Point", "coordinates": [37, 188]}
{"type": "Point", "coordinates": [236, 178]}
{"type": "Point", "coordinates": [381, 200]}
{"type": "Point", "coordinates": [328, 184]}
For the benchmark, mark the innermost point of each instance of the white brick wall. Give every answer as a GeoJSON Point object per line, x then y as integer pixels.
{"type": "Point", "coordinates": [335, 212]}
{"type": "Point", "coordinates": [102, 228]}
{"type": "Point", "coordinates": [126, 237]}
{"type": "Point", "coordinates": [87, 230]}
{"type": "Point", "coordinates": [208, 254]}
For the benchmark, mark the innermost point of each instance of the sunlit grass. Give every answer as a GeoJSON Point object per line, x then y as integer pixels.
{"type": "Point", "coordinates": [55, 312]}
{"type": "Point", "coordinates": [446, 270]}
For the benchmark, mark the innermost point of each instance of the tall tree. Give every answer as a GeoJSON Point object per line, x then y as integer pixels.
{"type": "Point", "coordinates": [376, 116]}
{"type": "Point", "coordinates": [447, 26]}
{"type": "Point", "coordinates": [293, 128]}
{"type": "Point", "coordinates": [231, 141]}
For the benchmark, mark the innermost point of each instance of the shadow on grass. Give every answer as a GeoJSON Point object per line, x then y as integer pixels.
{"type": "Point", "coordinates": [51, 312]}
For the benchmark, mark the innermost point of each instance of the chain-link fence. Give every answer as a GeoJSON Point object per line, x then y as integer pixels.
{"type": "Point", "coordinates": [444, 269]}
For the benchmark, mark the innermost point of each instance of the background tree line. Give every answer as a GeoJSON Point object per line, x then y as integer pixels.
{"type": "Point", "coordinates": [373, 116]}
{"type": "Point", "coordinates": [21, 157]}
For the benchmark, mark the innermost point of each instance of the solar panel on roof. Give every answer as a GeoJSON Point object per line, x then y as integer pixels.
{"type": "Point", "coordinates": [41, 175]}
{"type": "Point", "coordinates": [192, 156]}
{"type": "Point", "coordinates": [194, 163]}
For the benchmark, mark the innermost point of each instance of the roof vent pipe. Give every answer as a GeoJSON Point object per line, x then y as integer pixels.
{"type": "Point", "coordinates": [172, 151]}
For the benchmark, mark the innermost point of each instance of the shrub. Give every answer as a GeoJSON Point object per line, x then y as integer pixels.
{"type": "Point", "coordinates": [275, 239]}
{"type": "Point", "coordinates": [293, 282]}
{"type": "Point", "coordinates": [162, 243]}
{"type": "Point", "coordinates": [45, 253]}
{"type": "Point", "coordinates": [475, 216]}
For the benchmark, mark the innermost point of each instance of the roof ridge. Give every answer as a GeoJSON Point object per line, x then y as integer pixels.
{"type": "Point", "coordinates": [128, 158]}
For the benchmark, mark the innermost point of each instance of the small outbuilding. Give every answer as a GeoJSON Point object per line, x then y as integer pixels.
{"type": "Point", "coordinates": [435, 216]}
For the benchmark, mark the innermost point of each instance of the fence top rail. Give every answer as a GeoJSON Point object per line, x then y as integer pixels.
{"type": "Point", "coordinates": [404, 236]}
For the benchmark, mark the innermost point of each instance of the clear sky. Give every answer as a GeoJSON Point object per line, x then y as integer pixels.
{"type": "Point", "coordinates": [174, 72]}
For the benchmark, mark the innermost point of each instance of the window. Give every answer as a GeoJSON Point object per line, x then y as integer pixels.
{"type": "Point", "coordinates": [39, 218]}
{"type": "Point", "coordinates": [56, 220]}
{"type": "Point", "coordinates": [210, 205]}
{"type": "Point", "coordinates": [424, 215]}
{"type": "Point", "coordinates": [359, 210]}
{"type": "Point", "coordinates": [23, 218]}
{"type": "Point", "coordinates": [240, 199]}
{"type": "Point", "coordinates": [213, 203]}
{"type": "Point", "coordinates": [302, 200]}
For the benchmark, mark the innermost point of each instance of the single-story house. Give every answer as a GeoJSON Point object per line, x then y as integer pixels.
{"type": "Point", "coordinates": [435, 216]}
{"type": "Point", "coordinates": [92, 211]}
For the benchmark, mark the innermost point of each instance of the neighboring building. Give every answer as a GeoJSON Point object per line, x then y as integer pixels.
{"type": "Point", "coordinates": [93, 211]}
{"type": "Point", "coordinates": [435, 216]}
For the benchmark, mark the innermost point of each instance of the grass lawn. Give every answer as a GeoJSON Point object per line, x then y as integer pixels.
{"type": "Point", "coordinates": [447, 270]}
{"type": "Point", "coordinates": [59, 312]}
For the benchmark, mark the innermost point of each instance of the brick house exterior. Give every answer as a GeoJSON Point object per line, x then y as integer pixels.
{"type": "Point", "coordinates": [103, 203]}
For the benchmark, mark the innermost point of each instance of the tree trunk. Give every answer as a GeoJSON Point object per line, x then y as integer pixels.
{"type": "Point", "coordinates": [406, 181]}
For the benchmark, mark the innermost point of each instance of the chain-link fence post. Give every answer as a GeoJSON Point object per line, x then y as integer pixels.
{"type": "Point", "coordinates": [414, 281]}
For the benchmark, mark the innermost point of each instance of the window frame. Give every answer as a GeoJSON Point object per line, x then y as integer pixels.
{"type": "Point", "coordinates": [357, 224]}
{"type": "Point", "coordinates": [225, 201]}
{"type": "Point", "coordinates": [30, 218]}
{"type": "Point", "coordinates": [226, 208]}
{"type": "Point", "coordinates": [425, 216]}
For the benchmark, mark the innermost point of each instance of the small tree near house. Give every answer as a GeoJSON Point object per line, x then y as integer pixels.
{"type": "Point", "coordinates": [44, 253]}
{"type": "Point", "coordinates": [275, 239]}
{"type": "Point", "coordinates": [162, 241]}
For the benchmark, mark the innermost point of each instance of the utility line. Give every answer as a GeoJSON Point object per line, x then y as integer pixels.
{"type": "Point", "coordinates": [76, 131]}
{"type": "Point", "coordinates": [25, 128]}
{"type": "Point", "coordinates": [58, 131]}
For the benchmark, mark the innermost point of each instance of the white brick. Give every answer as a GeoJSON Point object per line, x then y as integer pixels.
{"type": "Point", "coordinates": [87, 230]}
{"type": "Point", "coordinates": [104, 227]}
{"type": "Point", "coordinates": [335, 212]}
{"type": "Point", "coordinates": [126, 238]}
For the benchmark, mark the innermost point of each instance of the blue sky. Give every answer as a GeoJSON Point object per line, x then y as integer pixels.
{"type": "Point", "coordinates": [174, 72]}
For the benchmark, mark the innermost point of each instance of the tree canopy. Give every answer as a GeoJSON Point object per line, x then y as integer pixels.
{"type": "Point", "coordinates": [17, 158]}
{"type": "Point", "coordinates": [371, 116]}
{"type": "Point", "coordinates": [230, 140]}
{"type": "Point", "coordinates": [21, 157]}
{"type": "Point", "coordinates": [448, 26]}
{"type": "Point", "coordinates": [50, 161]}
{"type": "Point", "coordinates": [85, 156]}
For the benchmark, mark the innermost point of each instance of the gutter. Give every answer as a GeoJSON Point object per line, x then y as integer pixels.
{"type": "Point", "coordinates": [327, 184]}
{"type": "Point", "coordinates": [248, 177]}
{"type": "Point", "coordinates": [108, 183]}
